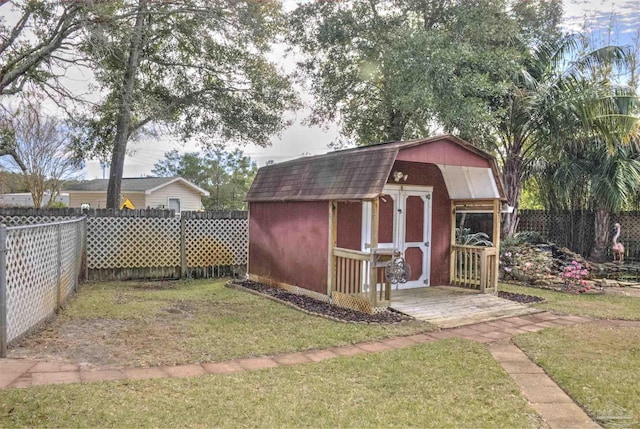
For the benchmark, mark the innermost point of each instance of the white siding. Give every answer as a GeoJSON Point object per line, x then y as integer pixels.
{"type": "Point", "coordinates": [98, 200]}
{"type": "Point", "coordinates": [189, 197]}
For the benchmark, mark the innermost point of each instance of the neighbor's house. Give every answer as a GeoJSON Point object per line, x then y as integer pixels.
{"type": "Point", "coordinates": [24, 199]}
{"type": "Point", "coordinates": [144, 192]}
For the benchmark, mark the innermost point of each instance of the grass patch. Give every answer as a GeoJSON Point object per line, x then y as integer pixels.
{"type": "Point", "coordinates": [452, 383]}
{"type": "Point", "coordinates": [588, 305]}
{"type": "Point", "coordinates": [153, 323]}
{"type": "Point", "coordinates": [598, 365]}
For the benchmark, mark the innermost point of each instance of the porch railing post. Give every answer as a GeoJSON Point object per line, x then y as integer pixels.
{"type": "Point", "coordinates": [373, 270]}
{"type": "Point", "coordinates": [3, 291]}
{"type": "Point", "coordinates": [496, 244]}
{"type": "Point", "coordinates": [453, 256]}
{"type": "Point", "coordinates": [484, 275]}
{"type": "Point", "coordinates": [333, 242]}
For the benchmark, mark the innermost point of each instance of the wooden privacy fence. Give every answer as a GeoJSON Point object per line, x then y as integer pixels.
{"type": "Point", "coordinates": [155, 244]}
{"type": "Point", "coordinates": [40, 267]}
{"type": "Point", "coordinates": [576, 230]}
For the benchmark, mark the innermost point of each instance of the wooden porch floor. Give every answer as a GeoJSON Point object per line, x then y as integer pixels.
{"type": "Point", "coordinates": [448, 306]}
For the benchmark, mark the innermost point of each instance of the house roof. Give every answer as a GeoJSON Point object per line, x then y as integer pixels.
{"type": "Point", "coordinates": [143, 185]}
{"type": "Point", "coordinates": [361, 173]}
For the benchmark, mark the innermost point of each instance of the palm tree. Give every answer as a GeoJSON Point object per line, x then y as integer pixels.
{"type": "Point", "coordinates": [554, 97]}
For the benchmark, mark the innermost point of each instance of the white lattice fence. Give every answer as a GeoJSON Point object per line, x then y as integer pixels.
{"type": "Point", "coordinates": [216, 242]}
{"type": "Point", "coordinates": [39, 270]}
{"type": "Point", "coordinates": [10, 220]}
{"type": "Point", "coordinates": [120, 242]}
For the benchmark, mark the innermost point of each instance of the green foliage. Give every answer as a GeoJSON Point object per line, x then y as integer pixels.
{"type": "Point", "coordinates": [30, 46]}
{"type": "Point", "coordinates": [390, 70]}
{"type": "Point", "coordinates": [466, 237]}
{"type": "Point", "coordinates": [226, 175]}
{"type": "Point", "coordinates": [12, 182]}
{"type": "Point", "coordinates": [559, 105]}
{"type": "Point", "coordinates": [191, 68]}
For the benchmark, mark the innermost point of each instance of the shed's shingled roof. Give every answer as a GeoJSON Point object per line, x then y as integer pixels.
{"type": "Point", "coordinates": [358, 173]}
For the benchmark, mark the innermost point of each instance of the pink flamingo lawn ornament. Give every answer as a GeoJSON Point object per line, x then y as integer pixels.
{"type": "Point", "coordinates": [617, 248]}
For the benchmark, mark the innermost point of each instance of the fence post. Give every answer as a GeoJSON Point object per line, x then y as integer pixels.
{"type": "Point", "coordinates": [183, 249]}
{"type": "Point", "coordinates": [85, 248]}
{"type": "Point", "coordinates": [59, 263]}
{"type": "Point", "coordinates": [76, 260]}
{"type": "Point", "coordinates": [3, 291]}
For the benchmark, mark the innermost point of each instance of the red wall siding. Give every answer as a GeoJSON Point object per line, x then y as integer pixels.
{"type": "Point", "coordinates": [350, 225]}
{"type": "Point", "coordinates": [430, 175]}
{"type": "Point", "coordinates": [288, 242]}
{"type": "Point", "coordinates": [443, 152]}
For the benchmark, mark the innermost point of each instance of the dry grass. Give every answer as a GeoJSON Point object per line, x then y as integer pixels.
{"type": "Point", "coordinates": [453, 383]}
{"type": "Point", "coordinates": [153, 323]}
{"type": "Point", "coordinates": [597, 364]}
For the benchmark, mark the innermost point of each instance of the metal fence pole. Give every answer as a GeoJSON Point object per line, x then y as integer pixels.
{"type": "Point", "coordinates": [3, 291]}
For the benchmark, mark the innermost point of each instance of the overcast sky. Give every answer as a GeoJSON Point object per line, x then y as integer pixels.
{"type": "Point", "coordinates": [299, 139]}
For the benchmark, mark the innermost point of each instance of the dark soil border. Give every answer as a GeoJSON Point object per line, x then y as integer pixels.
{"type": "Point", "coordinates": [315, 307]}
{"type": "Point", "coordinates": [520, 297]}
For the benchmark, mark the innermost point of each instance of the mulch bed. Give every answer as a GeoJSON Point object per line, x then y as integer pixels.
{"type": "Point", "coordinates": [520, 297]}
{"type": "Point", "coordinates": [314, 306]}
{"type": "Point", "coordinates": [321, 308]}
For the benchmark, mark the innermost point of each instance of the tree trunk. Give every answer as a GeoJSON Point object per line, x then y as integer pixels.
{"type": "Point", "coordinates": [124, 112]}
{"type": "Point", "coordinates": [601, 235]}
{"type": "Point", "coordinates": [396, 126]}
{"type": "Point", "coordinates": [512, 176]}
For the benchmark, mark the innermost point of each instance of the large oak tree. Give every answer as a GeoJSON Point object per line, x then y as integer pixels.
{"type": "Point", "coordinates": [191, 68]}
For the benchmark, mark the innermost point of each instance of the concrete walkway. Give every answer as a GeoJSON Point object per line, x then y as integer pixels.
{"type": "Point", "coordinates": [555, 407]}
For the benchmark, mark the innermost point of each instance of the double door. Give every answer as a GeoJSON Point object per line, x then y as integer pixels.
{"type": "Point", "coordinates": [405, 224]}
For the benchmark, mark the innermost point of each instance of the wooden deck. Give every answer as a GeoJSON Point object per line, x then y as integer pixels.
{"type": "Point", "coordinates": [448, 306]}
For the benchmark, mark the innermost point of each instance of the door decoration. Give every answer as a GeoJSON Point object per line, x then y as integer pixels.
{"type": "Point", "coordinates": [397, 271]}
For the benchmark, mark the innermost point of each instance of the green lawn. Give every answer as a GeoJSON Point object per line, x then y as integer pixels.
{"type": "Point", "coordinates": [152, 323]}
{"type": "Point", "coordinates": [451, 383]}
{"type": "Point", "coordinates": [598, 365]}
{"type": "Point", "coordinates": [597, 306]}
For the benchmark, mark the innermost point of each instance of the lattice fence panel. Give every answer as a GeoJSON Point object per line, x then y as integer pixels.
{"type": "Point", "coordinates": [29, 220]}
{"type": "Point", "coordinates": [216, 242]}
{"type": "Point", "coordinates": [32, 276]}
{"type": "Point", "coordinates": [69, 266]}
{"type": "Point", "coordinates": [133, 242]}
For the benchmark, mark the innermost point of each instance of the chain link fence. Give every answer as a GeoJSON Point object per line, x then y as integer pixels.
{"type": "Point", "coordinates": [40, 268]}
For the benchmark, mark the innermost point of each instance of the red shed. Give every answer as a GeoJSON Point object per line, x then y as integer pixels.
{"type": "Point", "coordinates": [327, 225]}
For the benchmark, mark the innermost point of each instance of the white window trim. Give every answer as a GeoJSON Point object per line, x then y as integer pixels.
{"type": "Point", "coordinates": [179, 202]}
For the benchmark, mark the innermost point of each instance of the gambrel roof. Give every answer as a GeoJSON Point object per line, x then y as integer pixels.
{"type": "Point", "coordinates": [361, 173]}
